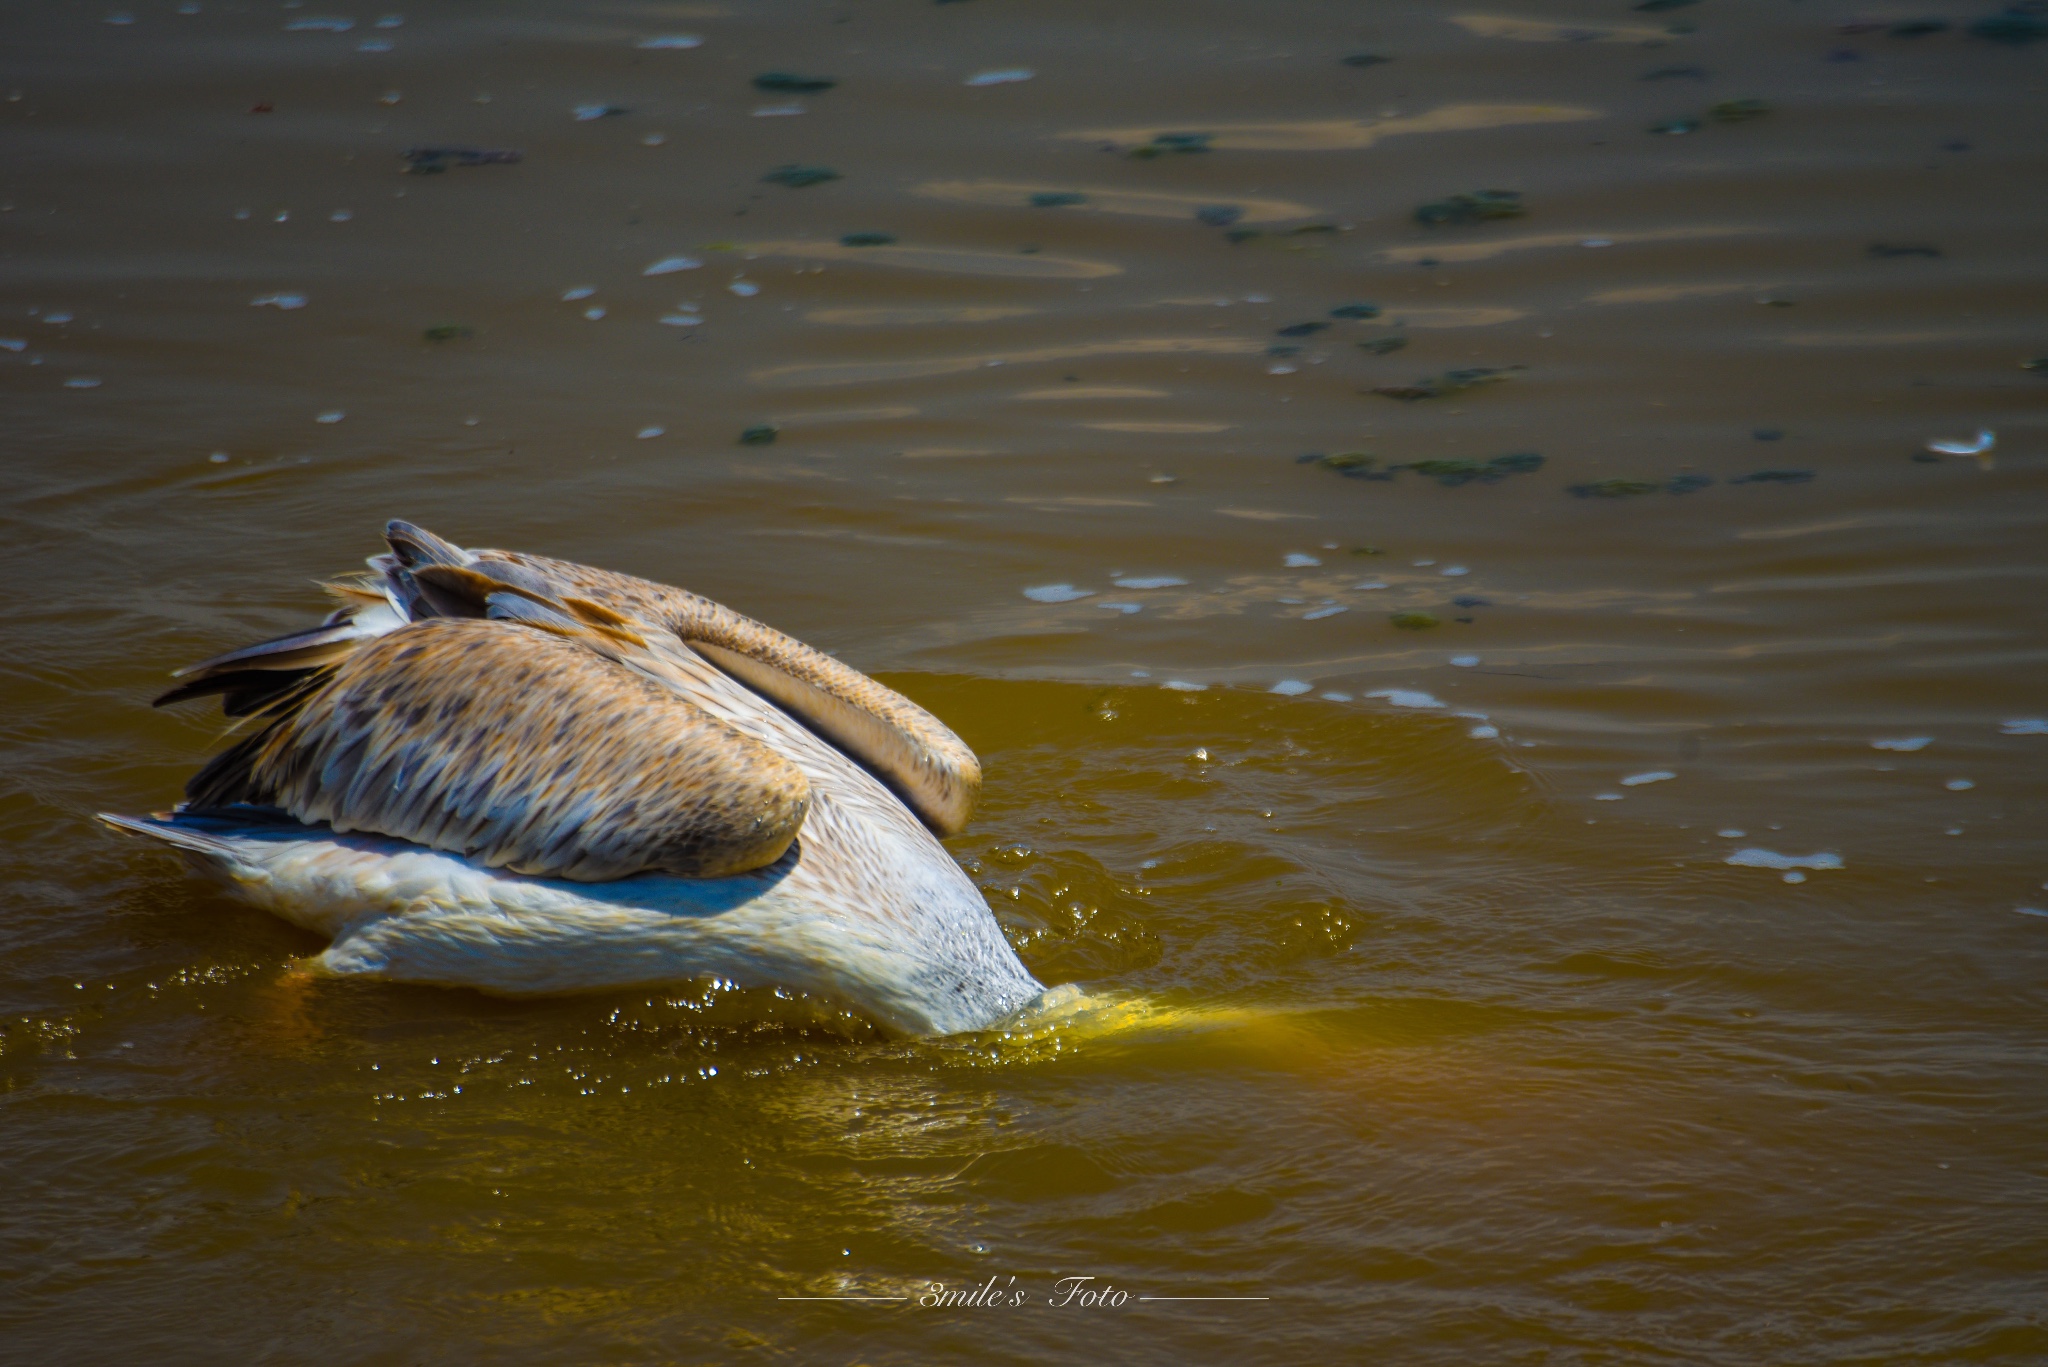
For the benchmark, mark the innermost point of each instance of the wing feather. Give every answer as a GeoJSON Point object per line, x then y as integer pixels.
{"type": "Point", "coordinates": [908, 748]}
{"type": "Point", "coordinates": [525, 748]}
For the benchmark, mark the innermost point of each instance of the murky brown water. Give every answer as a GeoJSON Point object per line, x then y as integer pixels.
{"type": "Point", "coordinates": [1460, 1046]}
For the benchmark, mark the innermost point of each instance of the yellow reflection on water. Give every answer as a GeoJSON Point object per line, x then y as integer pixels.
{"type": "Point", "coordinates": [1665, 294]}
{"type": "Point", "coordinates": [829, 416]}
{"type": "Point", "coordinates": [956, 260]}
{"type": "Point", "coordinates": [914, 313]}
{"type": "Point", "coordinates": [1500, 246]}
{"type": "Point", "coordinates": [1454, 317]}
{"type": "Point", "coordinates": [869, 372]}
{"type": "Point", "coordinates": [1169, 429]}
{"type": "Point", "coordinates": [1344, 135]}
{"type": "Point", "coordinates": [1554, 30]}
{"type": "Point", "coordinates": [1095, 391]}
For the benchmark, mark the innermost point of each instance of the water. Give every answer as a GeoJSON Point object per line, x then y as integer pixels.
{"type": "Point", "coordinates": [1416, 1036]}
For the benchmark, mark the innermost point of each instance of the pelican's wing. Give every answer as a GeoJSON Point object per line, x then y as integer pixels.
{"type": "Point", "coordinates": [908, 748]}
{"type": "Point", "coordinates": [255, 678]}
{"type": "Point", "coordinates": [525, 744]}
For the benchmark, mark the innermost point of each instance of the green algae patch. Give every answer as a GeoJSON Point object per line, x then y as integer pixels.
{"type": "Point", "coordinates": [1616, 488]}
{"type": "Point", "coordinates": [796, 177]}
{"type": "Point", "coordinates": [1448, 383]}
{"type": "Point", "coordinates": [1738, 111]}
{"type": "Point", "coordinates": [1476, 207]}
{"type": "Point", "coordinates": [1449, 473]}
{"type": "Point", "coordinates": [1164, 144]}
{"type": "Point", "coordinates": [1452, 473]}
{"type": "Point", "coordinates": [789, 83]}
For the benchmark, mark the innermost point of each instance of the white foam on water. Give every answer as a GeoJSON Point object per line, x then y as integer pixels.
{"type": "Point", "coordinates": [646, 433]}
{"type": "Point", "coordinates": [669, 265]}
{"type": "Point", "coordinates": [1905, 745]}
{"type": "Point", "coordinates": [745, 289]}
{"type": "Point", "coordinates": [1324, 612]}
{"type": "Point", "coordinates": [1653, 776]}
{"type": "Point", "coordinates": [1484, 732]}
{"type": "Point", "coordinates": [1183, 686]}
{"type": "Point", "coordinates": [1405, 697]}
{"type": "Point", "coordinates": [83, 382]}
{"type": "Point", "coordinates": [1465, 661]}
{"type": "Point", "coordinates": [682, 320]}
{"type": "Point", "coordinates": [1125, 608]}
{"type": "Point", "coordinates": [2031, 911]}
{"type": "Point", "coordinates": [1608, 797]}
{"type": "Point", "coordinates": [669, 42]}
{"type": "Point", "coordinates": [330, 417]}
{"type": "Point", "coordinates": [1769, 859]}
{"type": "Point", "coordinates": [1731, 834]}
{"type": "Point", "coordinates": [1957, 446]}
{"type": "Point", "coordinates": [1959, 785]}
{"type": "Point", "coordinates": [1057, 593]}
{"type": "Point", "coordinates": [1335, 697]}
{"type": "Point", "coordinates": [1370, 584]}
{"type": "Point", "coordinates": [1795, 877]}
{"type": "Point", "coordinates": [594, 312]}
{"type": "Point", "coordinates": [1454, 570]}
{"type": "Point", "coordinates": [1291, 688]}
{"type": "Point", "coordinates": [286, 302]}
{"type": "Point", "coordinates": [1003, 76]}
{"type": "Point", "coordinates": [1297, 561]}
{"type": "Point", "coordinates": [1157, 581]}
{"type": "Point", "coordinates": [575, 292]}
{"type": "Point", "coordinates": [2014, 726]}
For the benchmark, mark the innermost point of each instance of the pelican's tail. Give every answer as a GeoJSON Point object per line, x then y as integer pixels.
{"type": "Point", "coordinates": [167, 829]}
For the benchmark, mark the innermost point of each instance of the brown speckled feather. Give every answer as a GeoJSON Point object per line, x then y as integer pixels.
{"type": "Point", "coordinates": [531, 748]}
{"type": "Point", "coordinates": [907, 747]}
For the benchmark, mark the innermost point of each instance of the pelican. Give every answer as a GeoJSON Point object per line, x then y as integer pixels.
{"type": "Point", "coordinates": [501, 771]}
